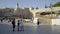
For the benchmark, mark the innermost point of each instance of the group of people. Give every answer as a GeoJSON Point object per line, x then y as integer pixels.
{"type": "Point", "coordinates": [20, 25]}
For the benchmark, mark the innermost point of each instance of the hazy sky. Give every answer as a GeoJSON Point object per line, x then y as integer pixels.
{"type": "Point", "coordinates": [26, 3]}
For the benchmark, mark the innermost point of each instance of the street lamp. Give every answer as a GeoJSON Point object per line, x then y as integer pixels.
{"type": "Point", "coordinates": [51, 8]}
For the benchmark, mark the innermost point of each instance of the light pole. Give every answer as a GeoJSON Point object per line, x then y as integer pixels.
{"type": "Point", "coordinates": [51, 8]}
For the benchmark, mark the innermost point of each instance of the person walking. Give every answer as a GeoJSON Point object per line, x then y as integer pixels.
{"type": "Point", "coordinates": [13, 24]}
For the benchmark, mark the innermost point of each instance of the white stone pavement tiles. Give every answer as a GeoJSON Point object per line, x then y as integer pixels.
{"type": "Point", "coordinates": [30, 29]}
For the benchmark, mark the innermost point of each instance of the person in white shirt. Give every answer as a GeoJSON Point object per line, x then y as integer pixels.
{"type": "Point", "coordinates": [20, 24]}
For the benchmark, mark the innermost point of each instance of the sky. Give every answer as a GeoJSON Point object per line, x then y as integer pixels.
{"type": "Point", "coordinates": [26, 3]}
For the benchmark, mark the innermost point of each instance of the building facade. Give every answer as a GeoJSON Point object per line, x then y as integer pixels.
{"type": "Point", "coordinates": [16, 12]}
{"type": "Point", "coordinates": [45, 16]}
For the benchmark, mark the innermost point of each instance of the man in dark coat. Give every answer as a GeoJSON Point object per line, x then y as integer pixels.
{"type": "Point", "coordinates": [13, 24]}
{"type": "Point", "coordinates": [37, 22]}
{"type": "Point", "coordinates": [18, 25]}
{"type": "Point", "coordinates": [1, 20]}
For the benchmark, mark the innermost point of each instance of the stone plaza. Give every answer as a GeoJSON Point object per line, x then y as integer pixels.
{"type": "Point", "coordinates": [29, 28]}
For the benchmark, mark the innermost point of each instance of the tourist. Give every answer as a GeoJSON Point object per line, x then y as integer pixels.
{"type": "Point", "coordinates": [13, 24]}
{"type": "Point", "coordinates": [20, 25]}
{"type": "Point", "coordinates": [1, 20]}
{"type": "Point", "coordinates": [9, 20]}
{"type": "Point", "coordinates": [37, 22]}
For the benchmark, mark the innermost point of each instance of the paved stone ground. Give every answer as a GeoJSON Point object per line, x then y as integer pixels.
{"type": "Point", "coordinates": [29, 28]}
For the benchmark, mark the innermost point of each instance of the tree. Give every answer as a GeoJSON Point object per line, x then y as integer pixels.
{"type": "Point", "coordinates": [56, 4]}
